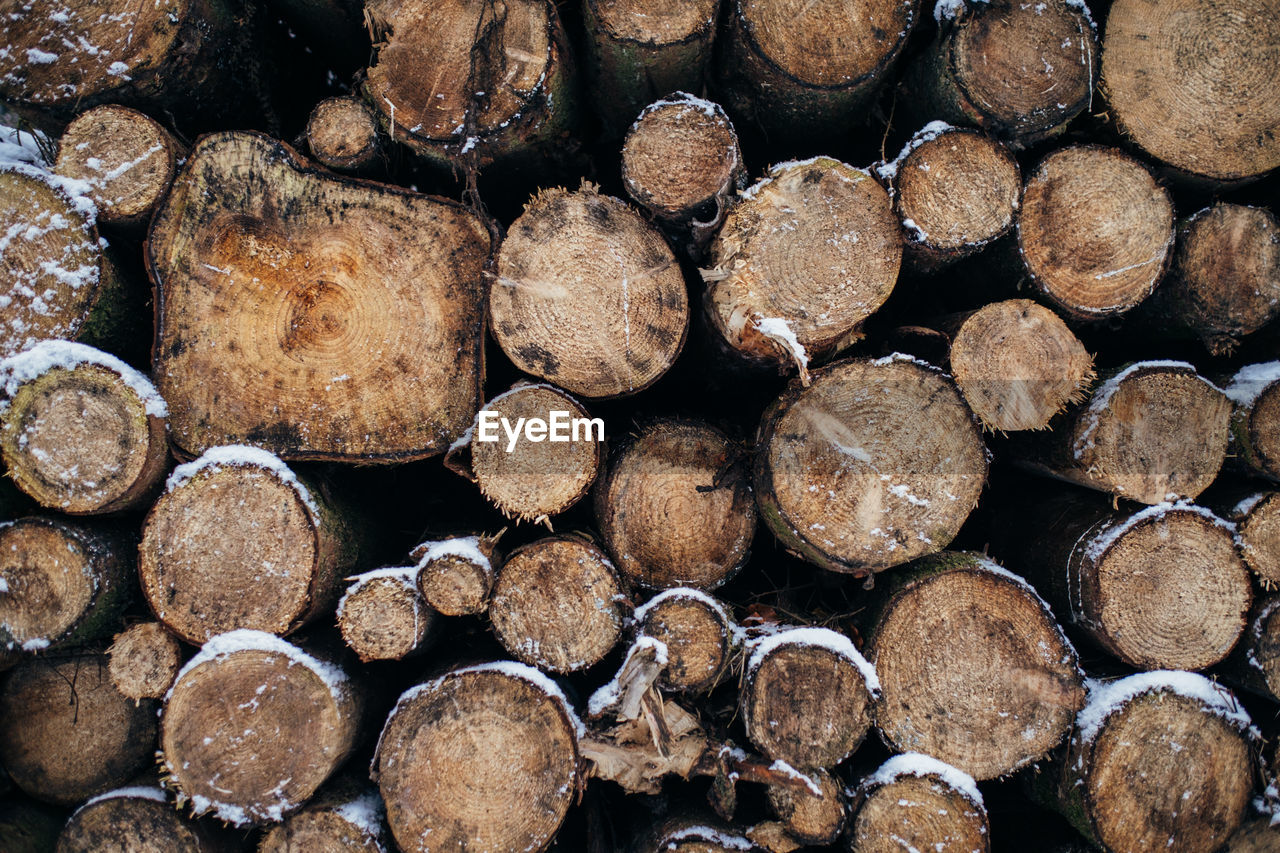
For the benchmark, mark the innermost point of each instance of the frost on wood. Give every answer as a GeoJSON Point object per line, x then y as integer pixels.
{"type": "Point", "coordinates": [824, 638]}
{"type": "Point", "coordinates": [242, 456]}
{"type": "Point", "coordinates": [1106, 698]}
{"type": "Point", "coordinates": [919, 764]}
{"type": "Point", "coordinates": [67, 355]}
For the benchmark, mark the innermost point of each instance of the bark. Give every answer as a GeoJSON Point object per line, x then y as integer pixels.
{"type": "Point", "coordinates": [675, 507]}
{"type": "Point", "coordinates": [958, 635]}
{"type": "Point", "coordinates": [66, 733]}
{"type": "Point", "coordinates": [917, 810]}
{"type": "Point", "coordinates": [346, 814]}
{"type": "Point", "coordinates": [1255, 439]}
{"type": "Point", "coordinates": [1151, 432]}
{"type": "Point", "coordinates": [875, 464]}
{"type": "Point", "coordinates": [144, 661]}
{"type": "Point", "coordinates": [314, 315]}
{"type": "Point", "coordinates": [1208, 109]}
{"type": "Point", "coordinates": [803, 259]}
{"type": "Point", "coordinates": [237, 541]}
{"type": "Point", "coordinates": [127, 158]}
{"type": "Point", "coordinates": [455, 576]}
{"type": "Point", "coordinates": [382, 616]}
{"type": "Point", "coordinates": [699, 636]}
{"type": "Point", "coordinates": [588, 295]}
{"type": "Point", "coordinates": [146, 819]}
{"type": "Point", "coordinates": [342, 133]}
{"type": "Point", "coordinates": [1019, 72]}
{"type": "Point", "coordinates": [557, 604]}
{"type": "Point", "coordinates": [1095, 231]}
{"type": "Point", "coordinates": [1254, 665]}
{"type": "Point", "coordinates": [484, 757]}
{"type": "Point", "coordinates": [80, 431]}
{"type": "Point", "coordinates": [1256, 514]}
{"type": "Point", "coordinates": [65, 582]}
{"type": "Point", "coordinates": [1124, 578]}
{"type": "Point", "coordinates": [253, 726]}
{"type": "Point", "coordinates": [640, 51]}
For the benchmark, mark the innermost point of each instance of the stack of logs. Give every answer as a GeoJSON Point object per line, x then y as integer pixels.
{"type": "Point", "coordinates": [639, 425]}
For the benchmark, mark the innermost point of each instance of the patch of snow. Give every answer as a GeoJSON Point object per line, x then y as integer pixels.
{"type": "Point", "coordinates": [365, 812]}
{"type": "Point", "coordinates": [36, 56]}
{"type": "Point", "coordinates": [611, 692]}
{"type": "Point", "coordinates": [466, 547]}
{"type": "Point", "coordinates": [1109, 533]}
{"type": "Point", "coordinates": [1107, 698]}
{"type": "Point", "coordinates": [914, 231]}
{"type": "Point", "coordinates": [1101, 397]}
{"type": "Point", "coordinates": [136, 792]}
{"type": "Point", "coordinates": [1083, 8]}
{"type": "Point", "coordinates": [709, 835]}
{"type": "Point", "coordinates": [1245, 505]}
{"type": "Point", "coordinates": [885, 361]}
{"type": "Point", "coordinates": [4, 585]}
{"type": "Point", "coordinates": [247, 640]}
{"type": "Point", "coordinates": [931, 131]}
{"type": "Point", "coordinates": [243, 456]}
{"type": "Point", "coordinates": [35, 644]}
{"type": "Point", "coordinates": [711, 604]}
{"type": "Point", "coordinates": [16, 370]}
{"type": "Point", "coordinates": [825, 638]}
{"type": "Point", "coordinates": [776, 329]}
{"type": "Point", "coordinates": [780, 766]}
{"type": "Point", "coordinates": [919, 764]}
{"type": "Point", "coordinates": [683, 99]}
{"type": "Point", "coordinates": [1250, 381]}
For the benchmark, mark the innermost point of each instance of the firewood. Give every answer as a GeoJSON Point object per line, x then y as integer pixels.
{"type": "Point", "coordinates": [253, 726]}
{"type": "Point", "coordinates": [588, 295]}
{"type": "Point", "coordinates": [1159, 761]}
{"type": "Point", "coordinates": [344, 815]}
{"type": "Point", "coordinates": [557, 604]}
{"type": "Point", "coordinates": [875, 464]}
{"type": "Point", "coordinates": [531, 475]}
{"type": "Point", "coordinates": [1095, 231]}
{"type": "Point", "coordinates": [697, 632]}
{"type": "Point", "coordinates": [28, 826]}
{"type": "Point", "coordinates": [689, 833]}
{"type": "Point", "coordinates": [143, 816]}
{"type": "Point", "coordinates": [66, 733]}
{"type": "Point", "coordinates": [675, 507]}
{"type": "Point", "coordinates": [1254, 665]}
{"type": "Point", "coordinates": [455, 576]}
{"type": "Point", "coordinates": [382, 616]}
{"type": "Point", "coordinates": [1254, 392]}
{"type": "Point", "coordinates": [312, 314]}
{"type": "Point", "coordinates": [916, 802]}
{"type": "Point", "coordinates": [1019, 71]}
{"type": "Point", "coordinates": [80, 430]}
{"type": "Point", "coordinates": [640, 51]}
{"type": "Point", "coordinates": [1256, 514]}
{"type": "Point", "coordinates": [955, 190]}
{"type": "Point", "coordinates": [238, 541]}
{"type": "Point", "coordinates": [1256, 835]}
{"type": "Point", "coordinates": [806, 697]}
{"type": "Point", "coordinates": [1151, 432]}
{"type": "Point", "coordinates": [144, 661]}
{"type": "Point", "coordinates": [1207, 108]}
{"type": "Point", "coordinates": [805, 256]}
{"type": "Point", "coordinates": [682, 163]}
{"type": "Point", "coordinates": [484, 757]}
{"type": "Point", "coordinates": [126, 158]}
{"type": "Point", "coordinates": [62, 582]}
{"type": "Point", "coordinates": [342, 133]}
{"type": "Point", "coordinates": [799, 70]}
{"type": "Point", "coordinates": [813, 816]}
{"type": "Point", "coordinates": [974, 668]}
{"type": "Point", "coordinates": [467, 80]}
{"type": "Point", "coordinates": [1125, 578]}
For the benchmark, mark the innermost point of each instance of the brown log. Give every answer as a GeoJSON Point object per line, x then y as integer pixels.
{"type": "Point", "coordinates": [455, 576]}
{"type": "Point", "coordinates": [314, 315]}
{"type": "Point", "coordinates": [675, 507]}
{"type": "Point", "coordinates": [253, 726]}
{"type": "Point", "coordinates": [689, 833]}
{"type": "Point", "coordinates": [1256, 515]}
{"type": "Point", "coordinates": [144, 661]}
{"type": "Point", "coordinates": [382, 616]}
{"type": "Point", "coordinates": [483, 757]}
{"type": "Point", "coordinates": [1254, 392]}
{"type": "Point", "coordinates": [813, 816]}
{"type": "Point", "coordinates": [80, 430]}
{"type": "Point", "coordinates": [345, 815]}
{"type": "Point", "coordinates": [342, 133]}
{"type": "Point", "coordinates": [588, 295]}
{"type": "Point", "coordinates": [1254, 665]}
{"type": "Point", "coordinates": [916, 802]}
{"type": "Point", "coordinates": [875, 464]}
{"type": "Point", "coordinates": [557, 604]}
{"type": "Point", "coordinates": [1257, 835]}
{"type": "Point", "coordinates": [699, 636]}
{"type": "Point", "coordinates": [238, 541]}
{"type": "Point", "coordinates": [974, 668]}
{"type": "Point", "coordinates": [66, 733]}
{"type": "Point", "coordinates": [28, 826]}
{"type": "Point", "coordinates": [141, 820]}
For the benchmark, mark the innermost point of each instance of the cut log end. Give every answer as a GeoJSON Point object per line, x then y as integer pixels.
{"type": "Point", "coordinates": [150, 824]}
{"type": "Point", "coordinates": [812, 818]}
{"type": "Point", "coordinates": [696, 631]}
{"type": "Point", "coordinates": [455, 576]}
{"type": "Point", "coordinates": [922, 812]}
{"type": "Point", "coordinates": [383, 617]}
{"type": "Point", "coordinates": [654, 24]}
{"type": "Point", "coordinates": [1258, 533]}
{"type": "Point", "coordinates": [1255, 432]}
{"type": "Point", "coordinates": [144, 660]}
{"type": "Point", "coordinates": [342, 133]}
{"type": "Point", "coordinates": [343, 816]}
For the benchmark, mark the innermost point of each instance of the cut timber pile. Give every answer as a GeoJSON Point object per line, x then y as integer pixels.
{"type": "Point", "coordinates": [635, 426]}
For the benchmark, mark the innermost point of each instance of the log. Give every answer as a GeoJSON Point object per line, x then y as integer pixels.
{"type": "Point", "coordinates": [812, 816]}
{"type": "Point", "coordinates": [382, 616]}
{"type": "Point", "coordinates": [342, 133]}
{"type": "Point", "coordinates": [806, 697]}
{"type": "Point", "coordinates": [801, 71]}
{"type": "Point", "coordinates": [699, 636]}
{"type": "Point", "coordinates": [1254, 392]}
{"type": "Point", "coordinates": [126, 158]}
{"type": "Point", "coordinates": [455, 576]}
{"type": "Point", "coordinates": [682, 163]}
{"type": "Point", "coordinates": [557, 604]}
{"type": "Point", "coordinates": [483, 757]}
{"type": "Point", "coordinates": [974, 668]}
{"type": "Point", "coordinates": [639, 51]}
{"type": "Point", "coordinates": [1159, 761]}
{"type": "Point", "coordinates": [955, 190]}
{"type": "Point", "coordinates": [675, 507]}
{"type": "Point", "coordinates": [531, 475]}
{"type": "Point", "coordinates": [1020, 72]}
{"type": "Point", "coordinates": [1125, 578]}
{"type": "Point", "coordinates": [1223, 282]}
{"type": "Point", "coordinates": [1153, 431]}
{"type": "Point", "coordinates": [916, 802]}
{"type": "Point", "coordinates": [66, 733]}
{"type": "Point", "coordinates": [81, 431]}
{"type": "Point", "coordinates": [1017, 364]}
{"type": "Point", "coordinates": [1205, 107]}
{"type": "Point", "coordinates": [28, 826]}
{"type": "Point", "coordinates": [805, 256]}
{"type": "Point", "coordinates": [1256, 515]}
{"type": "Point", "coordinates": [469, 82]}
{"type": "Point", "coordinates": [314, 315]}
{"type": "Point", "coordinates": [345, 815]}
{"type": "Point", "coordinates": [689, 833]}
{"type": "Point", "coordinates": [588, 296]}
{"type": "Point", "coordinates": [143, 816]}
{"type": "Point", "coordinates": [62, 583]}
{"type": "Point", "coordinates": [1095, 231]}
{"type": "Point", "coordinates": [238, 541]}
{"type": "Point", "coordinates": [1254, 664]}
{"type": "Point", "coordinates": [144, 661]}
{"type": "Point", "coordinates": [1257, 835]}
{"type": "Point", "coordinates": [253, 726]}
{"type": "Point", "coordinates": [875, 464]}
